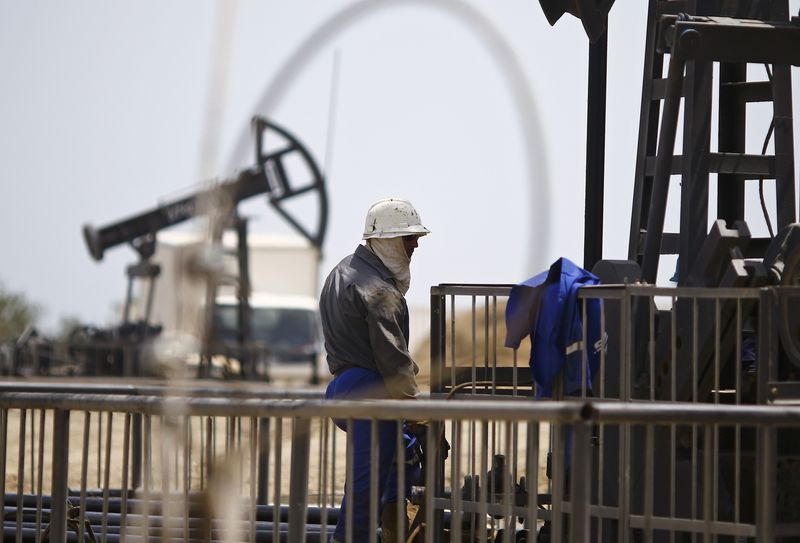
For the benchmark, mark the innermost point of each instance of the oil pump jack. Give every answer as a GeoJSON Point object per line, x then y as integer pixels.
{"type": "Point", "coordinates": [275, 149]}
{"type": "Point", "coordinates": [690, 38]}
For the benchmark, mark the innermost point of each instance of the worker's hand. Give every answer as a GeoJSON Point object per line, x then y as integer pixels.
{"type": "Point", "coordinates": [419, 429]}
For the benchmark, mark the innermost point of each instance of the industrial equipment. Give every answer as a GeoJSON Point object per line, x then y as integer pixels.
{"type": "Point", "coordinates": [716, 342]}
{"type": "Point", "coordinates": [275, 150]}
{"type": "Point", "coordinates": [284, 170]}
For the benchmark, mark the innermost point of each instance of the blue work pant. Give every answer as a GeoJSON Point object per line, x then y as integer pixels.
{"type": "Point", "coordinates": [359, 384]}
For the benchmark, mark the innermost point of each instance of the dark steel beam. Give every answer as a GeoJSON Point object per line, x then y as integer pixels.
{"type": "Point", "coordinates": [731, 137]}
{"type": "Point", "coordinates": [660, 189]}
{"type": "Point", "coordinates": [595, 153]}
{"type": "Point", "coordinates": [649, 114]}
{"type": "Point", "coordinates": [744, 165]}
{"type": "Point", "coordinates": [696, 147]}
{"type": "Point", "coordinates": [723, 39]}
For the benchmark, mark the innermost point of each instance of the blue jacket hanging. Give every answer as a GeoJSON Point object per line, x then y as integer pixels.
{"type": "Point", "coordinates": [546, 309]}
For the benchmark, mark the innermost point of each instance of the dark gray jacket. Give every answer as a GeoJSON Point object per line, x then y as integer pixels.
{"type": "Point", "coordinates": [365, 322]}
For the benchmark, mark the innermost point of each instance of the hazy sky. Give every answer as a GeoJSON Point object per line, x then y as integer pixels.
{"type": "Point", "coordinates": [106, 107]}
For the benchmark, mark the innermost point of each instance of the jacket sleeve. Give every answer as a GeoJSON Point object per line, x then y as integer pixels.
{"type": "Point", "coordinates": [385, 310]}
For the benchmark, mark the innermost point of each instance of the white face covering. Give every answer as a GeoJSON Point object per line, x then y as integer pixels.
{"type": "Point", "coordinates": [392, 253]}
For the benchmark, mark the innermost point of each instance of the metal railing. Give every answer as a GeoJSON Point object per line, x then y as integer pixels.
{"type": "Point", "coordinates": [250, 469]}
{"type": "Point", "coordinates": [720, 347]}
{"type": "Point", "coordinates": [716, 345]}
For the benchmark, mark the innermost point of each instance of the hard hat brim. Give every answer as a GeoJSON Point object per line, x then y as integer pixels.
{"type": "Point", "coordinates": [413, 230]}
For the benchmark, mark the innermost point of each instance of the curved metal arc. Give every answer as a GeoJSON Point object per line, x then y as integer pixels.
{"type": "Point", "coordinates": [495, 44]}
{"type": "Point", "coordinates": [318, 182]}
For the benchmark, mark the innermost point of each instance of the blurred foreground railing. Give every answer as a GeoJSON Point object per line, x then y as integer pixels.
{"type": "Point", "coordinates": [249, 469]}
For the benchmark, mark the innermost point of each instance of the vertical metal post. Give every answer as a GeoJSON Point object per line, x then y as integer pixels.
{"type": "Point", "coordinates": [626, 372]}
{"type": "Point", "coordinates": [123, 511]}
{"type": "Point", "coordinates": [298, 488]}
{"type": "Point", "coordinates": [244, 315]}
{"type": "Point", "coordinates": [263, 461]}
{"type": "Point", "coordinates": [595, 152]}
{"type": "Point", "coordinates": [557, 454]}
{"type": "Point", "coordinates": [21, 469]}
{"type": "Point", "coordinates": [696, 142]}
{"type": "Point", "coordinates": [39, 478]}
{"type": "Point", "coordinates": [438, 331]}
{"type": "Point", "coordinates": [374, 499]}
{"type": "Point", "coordinates": [580, 479]}
{"type": "Point", "coordinates": [731, 137]}
{"type": "Point", "coordinates": [126, 311]}
{"type": "Point", "coordinates": [767, 343]}
{"type": "Point", "coordinates": [136, 452]}
{"type": "Point", "coordinates": [784, 145]}
{"type": "Point", "coordinates": [151, 291]}
{"type": "Point", "coordinates": [60, 463]}
{"type": "Point", "coordinates": [106, 476]}
{"type": "Point", "coordinates": [765, 435]}
{"type": "Point", "coordinates": [3, 450]}
{"type": "Point", "coordinates": [784, 132]}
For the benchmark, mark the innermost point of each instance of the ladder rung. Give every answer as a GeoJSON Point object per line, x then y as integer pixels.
{"type": "Point", "coordinates": [670, 243]}
{"type": "Point", "coordinates": [749, 91]}
{"type": "Point", "coordinates": [748, 166]}
{"type": "Point", "coordinates": [660, 86]}
{"type": "Point", "coordinates": [752, 166]}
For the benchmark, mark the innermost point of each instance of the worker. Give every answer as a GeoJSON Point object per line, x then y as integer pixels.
{"type": "Point", "coordinates": [365, 324]}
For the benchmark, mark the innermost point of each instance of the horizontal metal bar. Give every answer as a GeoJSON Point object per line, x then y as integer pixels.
{"type": "Point", "coordinates": [670, 243]}
{"type": "Point", "coordinates": [559, 412]}
{"type": "Point", "coordinates": [724, 39]}
{"type": "Point", "coordinates": [239, 390]}
{"type": "Point", "coordinates": [697, 526]}
{"type": "Point", "coordinates": [613, 291]}
{"type": "Point", "coordinates": [562, 412]}
{"type": "Point", "coordinates": [660, 87]}
{"type": "Point", "coordinates": [748, 91]}
{"type": "Point", "coordinates": [748, 166]}
{"type": "Point", "coordinates": [687, 413]}
{"type": "Point", "coordinates": [695, 292]}
{"type": "Point", "coordinates": [602, 292]}
{"type": "Point", "coordinates": [470, 290]}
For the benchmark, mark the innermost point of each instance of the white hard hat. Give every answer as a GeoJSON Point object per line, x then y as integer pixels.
{"type": "Point", "coordinates": [392, 218]}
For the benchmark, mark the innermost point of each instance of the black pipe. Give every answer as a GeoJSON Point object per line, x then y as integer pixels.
{"type": "Point", "coordinates": [114, 506]}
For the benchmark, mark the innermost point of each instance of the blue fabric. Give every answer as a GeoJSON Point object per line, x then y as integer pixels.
{"type": "Point", "coordinates": [546, 309]}
{"type": "Point", "coordinates": [357, 384]}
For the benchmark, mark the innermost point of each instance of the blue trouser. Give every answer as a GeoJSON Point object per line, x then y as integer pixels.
{"type": "Point", "coordinates": [357, 384]}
